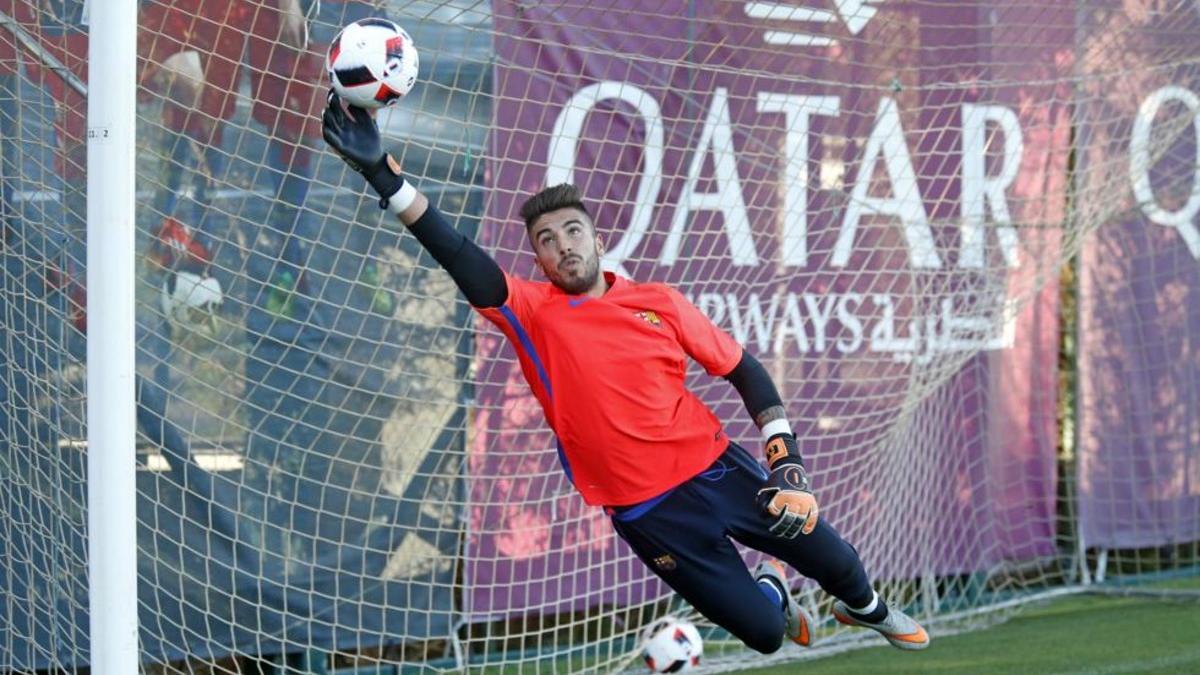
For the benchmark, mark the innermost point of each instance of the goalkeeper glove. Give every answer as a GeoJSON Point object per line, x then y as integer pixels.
{"type": "Point", "coordinates": [786, 495]}
{"type": "Point", "coordinates": [352, 132]}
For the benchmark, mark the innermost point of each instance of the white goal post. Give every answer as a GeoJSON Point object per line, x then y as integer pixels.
{"type": "Point", "coordinates": [111, 430]}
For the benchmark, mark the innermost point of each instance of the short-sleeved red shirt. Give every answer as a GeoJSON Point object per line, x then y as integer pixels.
{"type": "Point", "coordinates": [609, 373]}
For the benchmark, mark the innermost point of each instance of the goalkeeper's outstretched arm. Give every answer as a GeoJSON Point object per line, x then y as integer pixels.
{"type": "Point", "coordinates": [786, 495]}
{"type": "Point", "coordinates": [354, 135]}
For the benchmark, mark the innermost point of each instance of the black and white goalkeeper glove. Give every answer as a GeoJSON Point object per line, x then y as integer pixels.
{"type": "Point", "coordinates": [786, 495]}
{"type": "Point", "coordinates": [352, 133]}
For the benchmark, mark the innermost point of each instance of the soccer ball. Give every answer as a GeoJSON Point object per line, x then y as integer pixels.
{"type": "Point", "coordinates": [190, 299]}
{"type": "Point", "coordinates": [372, 63]}
{"type": "Point", "coordinates": [672, 645]}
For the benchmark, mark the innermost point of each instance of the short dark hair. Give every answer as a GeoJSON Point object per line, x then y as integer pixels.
{"type": "Point", "coordinates": [553, 198]}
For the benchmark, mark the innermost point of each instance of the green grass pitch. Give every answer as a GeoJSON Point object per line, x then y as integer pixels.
{"type": "Point", "coordinates": [1078, 634]}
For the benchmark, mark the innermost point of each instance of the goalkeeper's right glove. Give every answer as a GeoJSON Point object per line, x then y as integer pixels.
{"type": "Point", "coordinates": [786, 496]}
{"type": "Point", "coordinates": [351, 131]}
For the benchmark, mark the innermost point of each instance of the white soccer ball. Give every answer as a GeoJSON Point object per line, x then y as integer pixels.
{"type": "Point", "coordinates": [372, 63]}
{"type": "Point", "coordinates": [672, 645]}
{"type": "Point", "coordinates": [190, 299]}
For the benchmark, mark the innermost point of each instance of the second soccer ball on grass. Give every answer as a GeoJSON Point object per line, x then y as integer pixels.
{"type": "Point", "coordinates": [672, 645]}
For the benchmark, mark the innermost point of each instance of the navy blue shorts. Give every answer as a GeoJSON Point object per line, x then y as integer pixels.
{"type": "Point", "coordinates": [684, 537]}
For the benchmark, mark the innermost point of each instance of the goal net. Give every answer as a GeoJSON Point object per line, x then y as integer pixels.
{"type": "Point", "coordinates": [961, 236]}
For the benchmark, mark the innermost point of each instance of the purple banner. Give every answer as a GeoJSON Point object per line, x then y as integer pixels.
{"type": "Point", "coordinates": [843, 193]}
{"type": "Point", "coordinates": [1139, 312]}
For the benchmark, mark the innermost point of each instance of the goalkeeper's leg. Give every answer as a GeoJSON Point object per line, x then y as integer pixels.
{"type": "Point", "coordinates": [832, 562]}
{"type": "Point", "coordinates": [682, 540]}
{"type": "Point", "coordinates": [822, 556]}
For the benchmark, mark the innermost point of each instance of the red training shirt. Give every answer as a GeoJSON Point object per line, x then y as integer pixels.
{"type": "Point", "coordinates": [609, 373]}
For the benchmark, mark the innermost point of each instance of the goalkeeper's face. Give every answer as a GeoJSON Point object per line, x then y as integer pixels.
{"type": "Point", "coordinates": [568, 250]}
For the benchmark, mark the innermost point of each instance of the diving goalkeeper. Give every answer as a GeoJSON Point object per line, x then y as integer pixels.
{"type": "Point", "coordinates": [606, 357]}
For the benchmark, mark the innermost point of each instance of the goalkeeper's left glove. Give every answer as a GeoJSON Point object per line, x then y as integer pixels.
{"type": "Point", "coordinates": [786, 495]}
{"type": "Point", "coordinates": [352, 132]}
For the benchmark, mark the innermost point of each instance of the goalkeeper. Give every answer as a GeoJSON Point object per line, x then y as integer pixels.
{"type": "Point", "coordinates": [606, 357]}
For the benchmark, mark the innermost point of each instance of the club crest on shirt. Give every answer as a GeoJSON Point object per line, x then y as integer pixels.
{"type": "Point", "coordinates": [649, 316]}
{"type": "Point", "coordinates": [665, 563]}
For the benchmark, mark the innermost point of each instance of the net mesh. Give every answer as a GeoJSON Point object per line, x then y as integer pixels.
{"type": "Point", "coordinates": [960, 235]}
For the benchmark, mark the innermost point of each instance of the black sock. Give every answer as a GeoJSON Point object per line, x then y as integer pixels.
{"type": "Point", "coordinates": [875, 615]}
{"type": "Point", "coordinates": [879, 613]}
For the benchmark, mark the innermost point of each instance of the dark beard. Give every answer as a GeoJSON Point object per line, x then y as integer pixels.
{"type": "Point", "coordinates": [581, 283]}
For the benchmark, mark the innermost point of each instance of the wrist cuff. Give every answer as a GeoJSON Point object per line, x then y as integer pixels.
{"type": "Point", "coordinates": [402, 199]}
{"type": "Point", "coordinates": [776, 427]}
{"type": "Point", "coordinates": [384, 176]}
